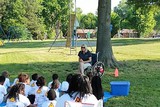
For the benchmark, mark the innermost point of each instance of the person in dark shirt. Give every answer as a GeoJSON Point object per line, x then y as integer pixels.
{"type": "Point", "coordinates": [84, 58]}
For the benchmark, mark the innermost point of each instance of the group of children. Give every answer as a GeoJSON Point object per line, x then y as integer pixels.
{"type": "Point", "coordinates": [34, 93]}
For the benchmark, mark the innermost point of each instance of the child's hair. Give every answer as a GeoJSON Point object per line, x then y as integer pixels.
{"type": "Point", "coordinates": [23, 77]}
{"type": "Point", "coordinates": [55, 84]}
{"type": "Point", "coordinates": [81, 84]}
{"type": "Point", "coordinates": [51, 95]}
{"type": "Point", "coordinates": [19, 75]}
{"type": "Point", "coordinates": [15, 90]}
{"type": "Point", "coordinates": [97, 87]}
{"type": "Point", "coordinates": [54, 77]}
{"type": "Point", "coordinates": [40, 81]}
{"type": "Point", "coordinates": [5, 74]}
{"type": "Point", "coordinates": [35, 76]}
{"type": "Point", "coordinates": [2, 79]}
{"type": "Point", "coordinates": [69, 77]}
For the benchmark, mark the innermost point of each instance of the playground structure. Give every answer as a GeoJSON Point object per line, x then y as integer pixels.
{"type": "Point", "coordinates": [71, 41]}
{"type": "Point", "coordinates": [71, 38]}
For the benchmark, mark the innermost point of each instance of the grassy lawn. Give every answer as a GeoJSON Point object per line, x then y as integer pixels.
{"type": "Point", "coordinates": [141, 58]}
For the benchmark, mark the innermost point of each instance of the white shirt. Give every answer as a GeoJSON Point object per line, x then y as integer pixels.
{"type": "Point", "coordinates": [49, 103]}
{"type": "Point", "coordinates": [88, 98]}
{"type": "Point", "coordinates": [2, 93]}
{"type": "Point", "coordinates": [22, 99]}
{"type": "Point", "coordinates": [57, 93]}
{"type": "Point", "coordinates": [33, 86]}
{"type": "Point", "coordinates": [15, 81]}
{"type": "Point", "coordinates": [27, 89]}
{"type": "Point", "coordinates": [15, 104]}
{"type": "Point", "coordinates": [6, 83]}
{"type": "Point", "coordinates": [62, 99]}
{"type": "Point", "coordinates": [41, 96]}
{"type": "Point", "coordinates": [50, 84]}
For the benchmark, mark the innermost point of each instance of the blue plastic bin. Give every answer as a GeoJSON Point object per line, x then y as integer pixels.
{"type": "Point", "coordinates": [120, 88]}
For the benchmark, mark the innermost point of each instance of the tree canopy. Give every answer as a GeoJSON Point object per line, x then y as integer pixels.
{"type": "Point", "coordinates": [133, 17]}
{"type": "Point", "coordinates": [40, 18]}
{"type": "Point", "coordinates": [36, 17]}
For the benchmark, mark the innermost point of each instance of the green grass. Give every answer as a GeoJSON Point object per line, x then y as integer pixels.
{"type": "Point", "coordinates": [141, 59]}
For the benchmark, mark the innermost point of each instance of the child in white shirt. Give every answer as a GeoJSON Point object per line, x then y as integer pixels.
{"type": "Point", "coordinates": [16, 96]}
{"type": "Point", "coordinates": [33, 86]}
{"type": "Point", "coordinates": [64, 88]}
{"type": "Point", "coordinates": [16, 80]}
{"type": "Point", "coordinates": [55, 85]}
{"type": "Point", "coordinates": [24, 78]}
{"type": "Point", "coordinates": [51, 95]}
{"type": "Point", "coordinates": [2, 88]}
{"type": "Point", "coordinates": [54, 78]}
{"type": "Point", "coordinates": [41, 92]}
{"type": "Point", "coordinates": [7, 81]}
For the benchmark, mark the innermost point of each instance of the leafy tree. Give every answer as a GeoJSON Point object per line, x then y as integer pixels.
{"type": "Point", "coordinates": [115, 20]}
{"type": "Point", "coordinates": [34, 20]}
{"type": "Point", "coordinates": [25, 15]}
{"type": "Point", "coordinates": [143, 3]}
{"type": "Point", "coordinates": [14, 15]}
{"type": "Point", "coordinates": [88, 21]}
{"type": "Point", "coordinates": [157, 18]}
{"type": "Point", "coordinates": [147, 22]}
{"type": "Point", "coordinates": [50, 12]}
{"type": "Point", "coordinates": [79, 13]}
{"type": "Point", "coordinates": [2, 9]}
{"type": "Point", "coordinates": [56, 14]}
{"type": "Point", "coordinates": [138, 18]}
{"type": "Point", "coordinates": [2, 12]}
{"type": "Point", "coordinates": [64, 15]}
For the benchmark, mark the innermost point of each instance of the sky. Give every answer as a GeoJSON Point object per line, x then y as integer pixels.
{"type": "Point", "coordinates": [88, 6]}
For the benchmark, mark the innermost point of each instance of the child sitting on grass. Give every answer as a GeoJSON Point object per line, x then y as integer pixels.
{"type": "Point", "coordinates": [51, 95]}
{"type": "Point", "coordinates": [33, 86]}
{"type": "Point", "coordinates": [16, 80]}
{"type": "Point", "coordinates": [24, 78]}
{"type": "Point", "coordinates": [54, 78]}
{"type": "Point", "coordinates": [7, 81]}
{"type": "Point", "coordinates": [2, 89]}
{"type": "Point", "coordinates": [41, 92]}
{"type": "Point", "coordinates": [16, 98]}
{"type": "Point", "coordinates": [97, 89]}
{"type": "Point", "coordinates": [55, 85]}
{"type": "Point", "coordinates": [64, 88]}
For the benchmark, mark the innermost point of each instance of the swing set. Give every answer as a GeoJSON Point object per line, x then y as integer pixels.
{"type": "Point", "coordinates": [2, 35]}
{"type": "Point", "coordinates": [71, 38]}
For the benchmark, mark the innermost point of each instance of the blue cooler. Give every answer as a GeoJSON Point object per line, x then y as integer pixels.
{"type": "Point", "coordinates": [120, 88]}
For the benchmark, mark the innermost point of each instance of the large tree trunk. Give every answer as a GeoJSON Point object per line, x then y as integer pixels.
{"type": "Point", "coordinates": [104, 46]}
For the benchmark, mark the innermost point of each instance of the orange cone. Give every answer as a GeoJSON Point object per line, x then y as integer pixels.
{"type": "Point", "coordinates": [116, 73]}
